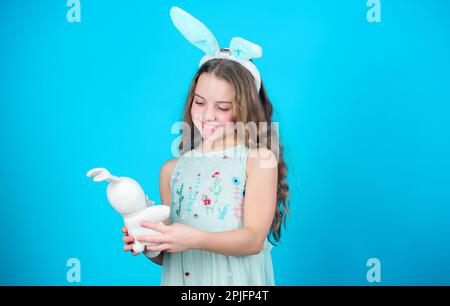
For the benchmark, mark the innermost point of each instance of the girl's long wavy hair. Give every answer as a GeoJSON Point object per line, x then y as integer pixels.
{"type": "Point", "coordinates": [248, 106]}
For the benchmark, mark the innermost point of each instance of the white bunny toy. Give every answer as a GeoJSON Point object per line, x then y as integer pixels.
{"type": "Point", "coordinates": [127, 197]}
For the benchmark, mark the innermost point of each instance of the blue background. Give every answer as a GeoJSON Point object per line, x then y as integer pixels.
{"type": "Point", "coordinates": [364, 119]}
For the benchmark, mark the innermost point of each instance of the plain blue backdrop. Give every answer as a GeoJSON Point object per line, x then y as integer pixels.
{"type": "Point", "coordinates": [364, 119]}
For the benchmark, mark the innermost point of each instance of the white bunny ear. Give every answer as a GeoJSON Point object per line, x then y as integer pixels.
{"type": "Point", "coordinates": [101, 174]}
{"type": "Point", "coordinates": [244, 49]}
{"type": "Point", "coordinates": [194, 31]}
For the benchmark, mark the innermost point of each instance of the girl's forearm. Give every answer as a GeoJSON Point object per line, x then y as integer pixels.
{"type": "Point", "coordinates": [238, 242]}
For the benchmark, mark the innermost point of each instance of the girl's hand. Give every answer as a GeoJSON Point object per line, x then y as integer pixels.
{"type": "Point", "coordinates": [174, 238]}
{"type": "Point", "coordinates": [129, 242]}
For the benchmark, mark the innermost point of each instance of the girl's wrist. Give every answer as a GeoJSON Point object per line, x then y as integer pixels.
{"type": "Point", "coordinates": [198, 239]}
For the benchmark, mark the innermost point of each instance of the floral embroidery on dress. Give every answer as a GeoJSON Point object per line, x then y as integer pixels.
{"type": "Point", "coordinates": [207, 204]}
{"type": "Point", "coordinates": [176, 178]}
{"type": "Point", "coordinates": [193, 192]}
{"type": "Point", "coordinates": [223, 212]}
{"type": "Point", "coordinates": [206, 200]}
{"type": "Point", "coordinates": [237, 192]}
{"type": "Point", "coordinates": [238, 195]}
{"type": "Point", "coordinates": [201, 194]}
{"type": "Point", "coordinates": [179, 192]}
{"type": "Point", "coordinates": [216, 188]}
{"type": "Point", "coordinates": [238, 209]}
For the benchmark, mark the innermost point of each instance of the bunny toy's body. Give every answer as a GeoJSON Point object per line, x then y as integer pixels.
{"type": "Point", "coordinates": [127, 197]}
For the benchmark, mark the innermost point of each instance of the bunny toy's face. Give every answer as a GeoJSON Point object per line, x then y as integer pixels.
{"type": "Point", "coordinates": [126, 196]}
{"type": "Point", "coordinates": [212, 107]}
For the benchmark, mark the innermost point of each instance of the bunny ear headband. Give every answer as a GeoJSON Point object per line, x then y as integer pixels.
{"type": "Point", "coordinates": [199, 35]}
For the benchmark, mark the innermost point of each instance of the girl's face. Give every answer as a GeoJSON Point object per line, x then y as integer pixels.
{"type": "Point", "coordinates": [212, 105]}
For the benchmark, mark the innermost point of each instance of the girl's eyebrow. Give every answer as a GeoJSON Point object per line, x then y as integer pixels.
{"type": "Point", "coordinates": [216, 101]}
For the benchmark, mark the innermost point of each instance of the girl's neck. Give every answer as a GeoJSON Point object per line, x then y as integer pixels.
{"type": "Point", "coordinates": [219, 144]}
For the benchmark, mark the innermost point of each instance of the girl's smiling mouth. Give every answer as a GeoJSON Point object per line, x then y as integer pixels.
{"type": "Point", "coordinates": [209, 127]}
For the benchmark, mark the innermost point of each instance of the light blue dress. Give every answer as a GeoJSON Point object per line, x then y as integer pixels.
{"type": "Point", "coordinates": [208, 190]}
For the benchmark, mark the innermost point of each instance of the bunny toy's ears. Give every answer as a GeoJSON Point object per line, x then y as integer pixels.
{"type": "Point", "coordinates": [240, 50]}
{"type": "Point", "coordinates": [101, 174]}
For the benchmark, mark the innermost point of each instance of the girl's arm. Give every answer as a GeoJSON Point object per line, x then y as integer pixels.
{"type": "Point", "coordinates": [165, 194]}
{"type": "Point", "coordinates": [259, 209]}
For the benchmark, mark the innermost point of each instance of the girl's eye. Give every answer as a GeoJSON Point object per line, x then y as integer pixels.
{"type": "Point", "coordinates": [220, 108]}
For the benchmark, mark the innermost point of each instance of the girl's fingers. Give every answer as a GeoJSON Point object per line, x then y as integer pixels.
{"type": "Point", "coordinates": [128, 247]}
{"type": "Point", "coordinates": [128, 239]}
{"type": "Point", "coordinates": [154, 226]}
{"type": "Point", "coordinates": [148, 247]}
{"type": "Point", "coordinates": [161, 247]}
{"type": "Point", "coordinates": [152, 238]}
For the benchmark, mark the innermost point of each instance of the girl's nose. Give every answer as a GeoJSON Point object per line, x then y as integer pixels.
{"type": "Point", "coordinates": [209, 114]}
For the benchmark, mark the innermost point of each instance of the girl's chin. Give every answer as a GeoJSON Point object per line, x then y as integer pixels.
{"type": "Point", "coordinates": [208, 134]}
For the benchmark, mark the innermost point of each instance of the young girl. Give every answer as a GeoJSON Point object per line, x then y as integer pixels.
{"type": "Point", "coordinates": [227, 191]}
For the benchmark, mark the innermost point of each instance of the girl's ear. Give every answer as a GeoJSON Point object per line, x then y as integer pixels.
{"type": "Point", "coordinates": [194, 31]}
{"type": "Point", "coordinates": [244, 49]}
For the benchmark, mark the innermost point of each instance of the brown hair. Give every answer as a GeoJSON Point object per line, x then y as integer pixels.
{"type": "Point", "coordinates": [248, 106]}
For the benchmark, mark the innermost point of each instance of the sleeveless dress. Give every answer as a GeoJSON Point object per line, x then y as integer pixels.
{"type": "Point", "coordinates": [208, 190]}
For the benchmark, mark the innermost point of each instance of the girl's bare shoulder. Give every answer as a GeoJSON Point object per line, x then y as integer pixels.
{"type": "Point", "coordinates": [168, 167]}
{"type": "Point", "coordinates": [261, 158]}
